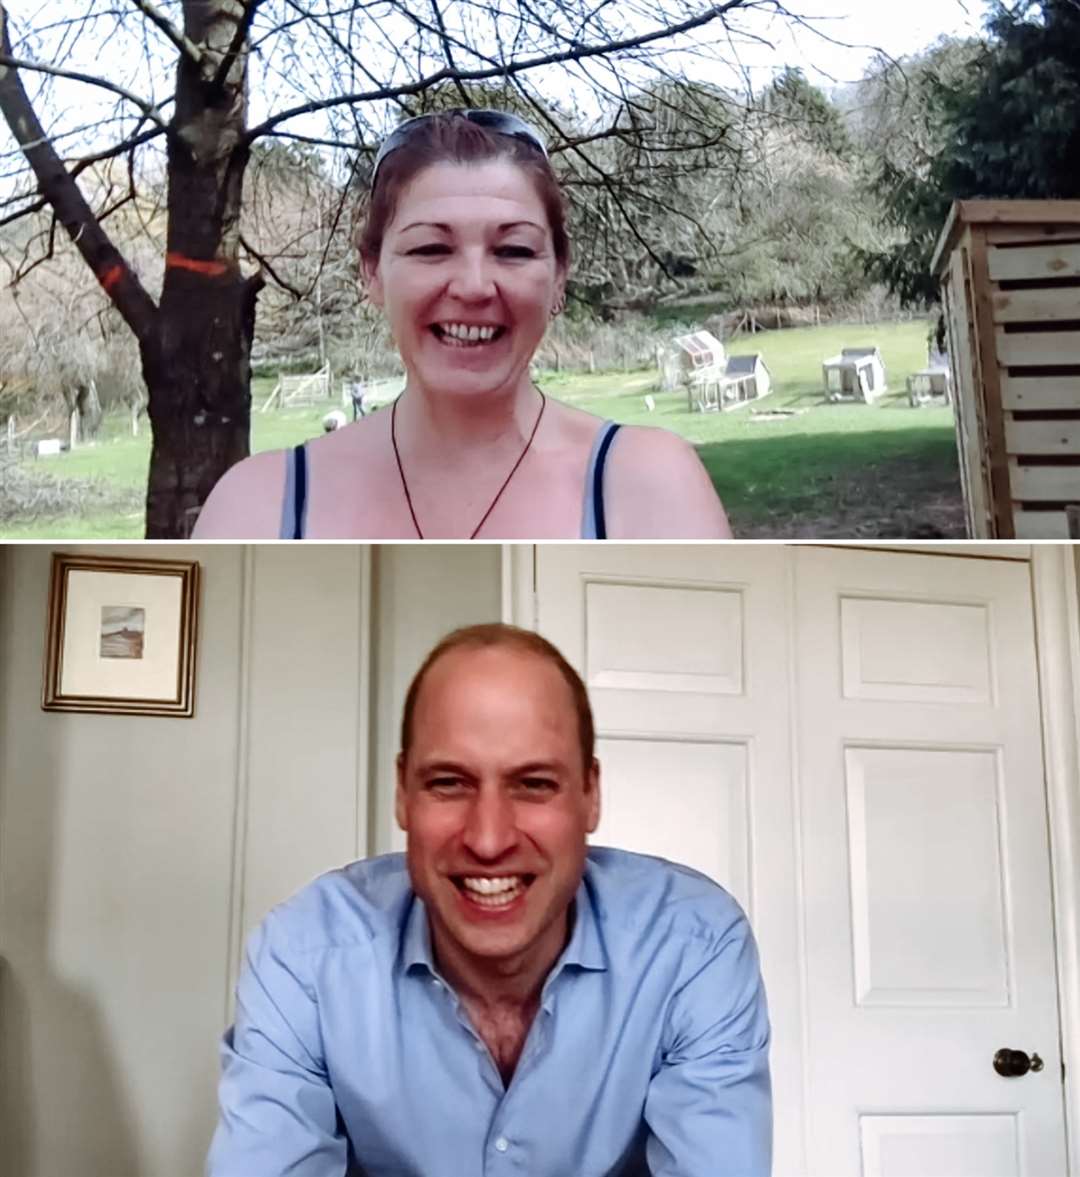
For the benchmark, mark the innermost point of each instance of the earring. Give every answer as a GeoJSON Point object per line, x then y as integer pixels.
{"type": "Point", "coordinates": [560, 305]}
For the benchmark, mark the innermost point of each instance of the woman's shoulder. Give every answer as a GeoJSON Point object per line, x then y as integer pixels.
{"type": "Point", "coordinates": [246, 502]}
{"type": "Point", "coordinates": [351, 442]}
{"type": "Point", "coordinates": [657, 487]}
{"type": "Point", "coordinates": [639, 441]}
{"type": "Point", "coordinates": [659, 445]}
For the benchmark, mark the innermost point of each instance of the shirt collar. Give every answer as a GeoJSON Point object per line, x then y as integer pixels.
{"type": "Point", "coordinates": [585, 949]}
{"type": "Point", "coordinates": [416, 938]}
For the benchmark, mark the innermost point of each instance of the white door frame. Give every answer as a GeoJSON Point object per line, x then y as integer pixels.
{"type": "Point", "coordinates": [1056, 597]}
{"type": "Point", "coordinates": [1056, 594]}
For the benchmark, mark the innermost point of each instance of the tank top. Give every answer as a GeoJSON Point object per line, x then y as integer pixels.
{"type": "Point", "coordinates": [593, 522]}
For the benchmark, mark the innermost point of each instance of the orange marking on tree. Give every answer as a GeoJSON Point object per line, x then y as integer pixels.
{"type": "Point", "coordinates": [111, 276]}
{"type": "Point", "coordinates": [179, 261]}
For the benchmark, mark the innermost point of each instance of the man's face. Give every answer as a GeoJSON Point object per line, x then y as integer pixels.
{"type": "Point", "coordinates": [495, 800]}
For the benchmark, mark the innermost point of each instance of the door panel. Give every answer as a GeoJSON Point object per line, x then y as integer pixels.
{"type": "Point", "coordinates": [924, 835]}
{"type": "Point", "coordinates": [893, 856]}
{"type": "Point", "coordinates": [917, 651]}
{"type": "Point", "coordinates": [961, 1146]}
{"type": "Point", "coordinates": [698, 813]}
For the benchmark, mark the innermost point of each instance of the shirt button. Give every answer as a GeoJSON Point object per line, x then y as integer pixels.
{"type": "Point", "coordinates": [436, 982]}
{"type": "Point", "coordinates": [502, 1144]}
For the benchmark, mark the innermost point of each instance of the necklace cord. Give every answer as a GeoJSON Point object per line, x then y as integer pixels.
{"type": "Point", "coordinates": [498, 493]}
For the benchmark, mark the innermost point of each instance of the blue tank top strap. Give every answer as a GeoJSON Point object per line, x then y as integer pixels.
{"type": "Point", "coordinates": [593, 522]}
{"type": "Point", "coordinates": [294, 506]}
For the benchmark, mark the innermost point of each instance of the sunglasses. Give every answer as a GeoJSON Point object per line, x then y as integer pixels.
{"type": "Point", "coordinates": [491, 120]}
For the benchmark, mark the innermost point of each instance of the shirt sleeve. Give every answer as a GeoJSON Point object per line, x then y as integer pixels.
{"type": "Point", "coordinates": [277, 1111]}
{"type": "Point", "coordinates": [709, 1107]}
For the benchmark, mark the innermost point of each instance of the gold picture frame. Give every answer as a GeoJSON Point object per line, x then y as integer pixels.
{"type": "Point", "coordinates": [121, 636]}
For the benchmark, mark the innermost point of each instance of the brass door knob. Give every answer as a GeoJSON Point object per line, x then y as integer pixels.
{"type": "Point", "coordinates": [1014, 1063]}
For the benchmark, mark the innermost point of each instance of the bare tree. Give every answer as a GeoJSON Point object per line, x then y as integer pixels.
{"type": "Point", "coordinates": [204, 80]}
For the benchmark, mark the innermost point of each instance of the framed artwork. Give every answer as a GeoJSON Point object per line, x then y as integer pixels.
{"type": "Point", "coordinates": [121, 635]}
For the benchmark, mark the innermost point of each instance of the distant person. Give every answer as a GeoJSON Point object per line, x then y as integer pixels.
{"type": "Point", "coordinates": [357, 391]}
{"type": "Point", "coordinates": [465, 250]}
{"type": "Point", "coordinates": [502, 998]}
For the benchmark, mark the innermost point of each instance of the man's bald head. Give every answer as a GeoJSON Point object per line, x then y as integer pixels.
{"type": "Point", "coordinates": [480, 637]}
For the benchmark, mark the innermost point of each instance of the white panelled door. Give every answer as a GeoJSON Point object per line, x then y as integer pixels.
{"type": "Point", "coordinates": [929, 937]}
{"type": "Point", "coordinates": [892, 857]}
{"type": "Point", "coordinates": [685, 654]}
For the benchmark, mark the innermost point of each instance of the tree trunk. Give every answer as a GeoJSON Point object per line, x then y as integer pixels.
{"type": "Point", "coordinates": [198, 377]}
{"type": "Point", "coordinates": [196, 344]}
{"type": "Point", "coordinates": [197, 364]}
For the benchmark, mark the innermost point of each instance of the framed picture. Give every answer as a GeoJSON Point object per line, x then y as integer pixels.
{"type": "Point", "coordinates": [121, 635]}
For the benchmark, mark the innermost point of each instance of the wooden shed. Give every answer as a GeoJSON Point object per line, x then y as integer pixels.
{"type": "Point", "coordinates": [1010, 277]}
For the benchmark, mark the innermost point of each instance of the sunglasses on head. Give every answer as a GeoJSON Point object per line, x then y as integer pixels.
{"type": "Point", "coordinates": [491, 120]}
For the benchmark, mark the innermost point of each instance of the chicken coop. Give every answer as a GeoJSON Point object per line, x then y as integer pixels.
{"type": "Point", "coordinates": [713, 380]}
{"type": "Point", "coordinates": [687, 355]}
{"type": "Point", "coordinates": [930, 386]}
{"type": "Point", "coordinates": [1010, 281]}
{"type": "Point", "coordinates": [856, 374]}
{"type": "Point", "coordinates": [752, 374]}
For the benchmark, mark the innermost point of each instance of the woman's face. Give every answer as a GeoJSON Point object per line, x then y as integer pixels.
{"type": "Point", "coordinates": [467, 276]}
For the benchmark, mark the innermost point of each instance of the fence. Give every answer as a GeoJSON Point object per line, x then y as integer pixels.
{"type": "Point", "coordinates": [297, 391]}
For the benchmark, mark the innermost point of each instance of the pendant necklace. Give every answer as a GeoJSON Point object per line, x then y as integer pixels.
{"type": "Point", "coordinates": [498, 493]}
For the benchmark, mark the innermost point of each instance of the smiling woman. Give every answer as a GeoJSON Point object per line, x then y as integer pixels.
{"type": "Point", "coordinates": [465, 250]}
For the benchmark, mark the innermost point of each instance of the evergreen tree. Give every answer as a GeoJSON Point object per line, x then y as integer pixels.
{"type": "Point", "coordinates": [1005, 126]}
{"type": "Point", "coordinates": [793, 99]}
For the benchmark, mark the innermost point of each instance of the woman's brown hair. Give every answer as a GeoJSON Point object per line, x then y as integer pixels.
{"type": "Point", "coordinates": [451, 138]}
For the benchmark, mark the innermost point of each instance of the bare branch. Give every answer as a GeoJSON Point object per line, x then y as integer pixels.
{"type": "Point", "coordinates": [79, 167]}
{"type": "Point", "coordinates": [577, 54]}
{"type": "Point", "coordinates": [186, 46]}
{"type": "Point", "coordinates": [243, 27]}
{"type": "Point", "coordinates": [60, 189]}
{"type": "Point", "coordinates": [447, 48]}
{"type": "Point", "coordinates": [149, 109]}
{"type": "Point", "coordinates": [265, 264]}
{"type": "Point", "coordinates": [340, 144]}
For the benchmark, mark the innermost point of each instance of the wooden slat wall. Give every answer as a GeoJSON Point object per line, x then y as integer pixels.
{"type": "Point", "coordinates": [990, 374]}
{"type": "Point", "coordinates": [1019, 234]}
{"type": "Point", "coordinates": [963, 358]}
{"type": "Point", "coordinates": [1041, 524]}
{"type": "Point", "coordinates": [1044, 484]}
{"type": "Point", "coordinates": [1031, 393]}
{"type": "Point", "coordinates": [1010, 368]}
{"type": "Point", "coordinates": [1036, 261]}
{"type": "Point", "coordinates": [1038, 349]}
{"type": "Point", "coordinates": [1042, 437]}
{"type": "Point", "coordinates": [1037, 306]}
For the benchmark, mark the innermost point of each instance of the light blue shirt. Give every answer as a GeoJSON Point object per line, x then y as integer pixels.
{"type": "Point", "coordinates": [649, 1054]}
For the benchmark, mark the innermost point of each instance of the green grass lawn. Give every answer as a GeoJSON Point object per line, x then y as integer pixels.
{"type": "Point", "coordinates": [829, 471]}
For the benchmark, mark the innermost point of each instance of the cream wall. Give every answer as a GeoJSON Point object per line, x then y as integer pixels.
{"type": "Point", "coordinates": [420, 594]}
{"type": "Point", "coordinates": [136, 852]}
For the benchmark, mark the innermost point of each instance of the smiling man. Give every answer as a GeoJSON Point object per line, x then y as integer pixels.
{"type": "Point", "coordinates": [503, 999]}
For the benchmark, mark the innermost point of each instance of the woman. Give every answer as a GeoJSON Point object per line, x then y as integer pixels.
{"type": "Point", "coordinates": [465, 250]}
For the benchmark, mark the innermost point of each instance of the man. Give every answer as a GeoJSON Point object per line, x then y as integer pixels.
{"type": "Point", "coordinates": [505, 999]}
